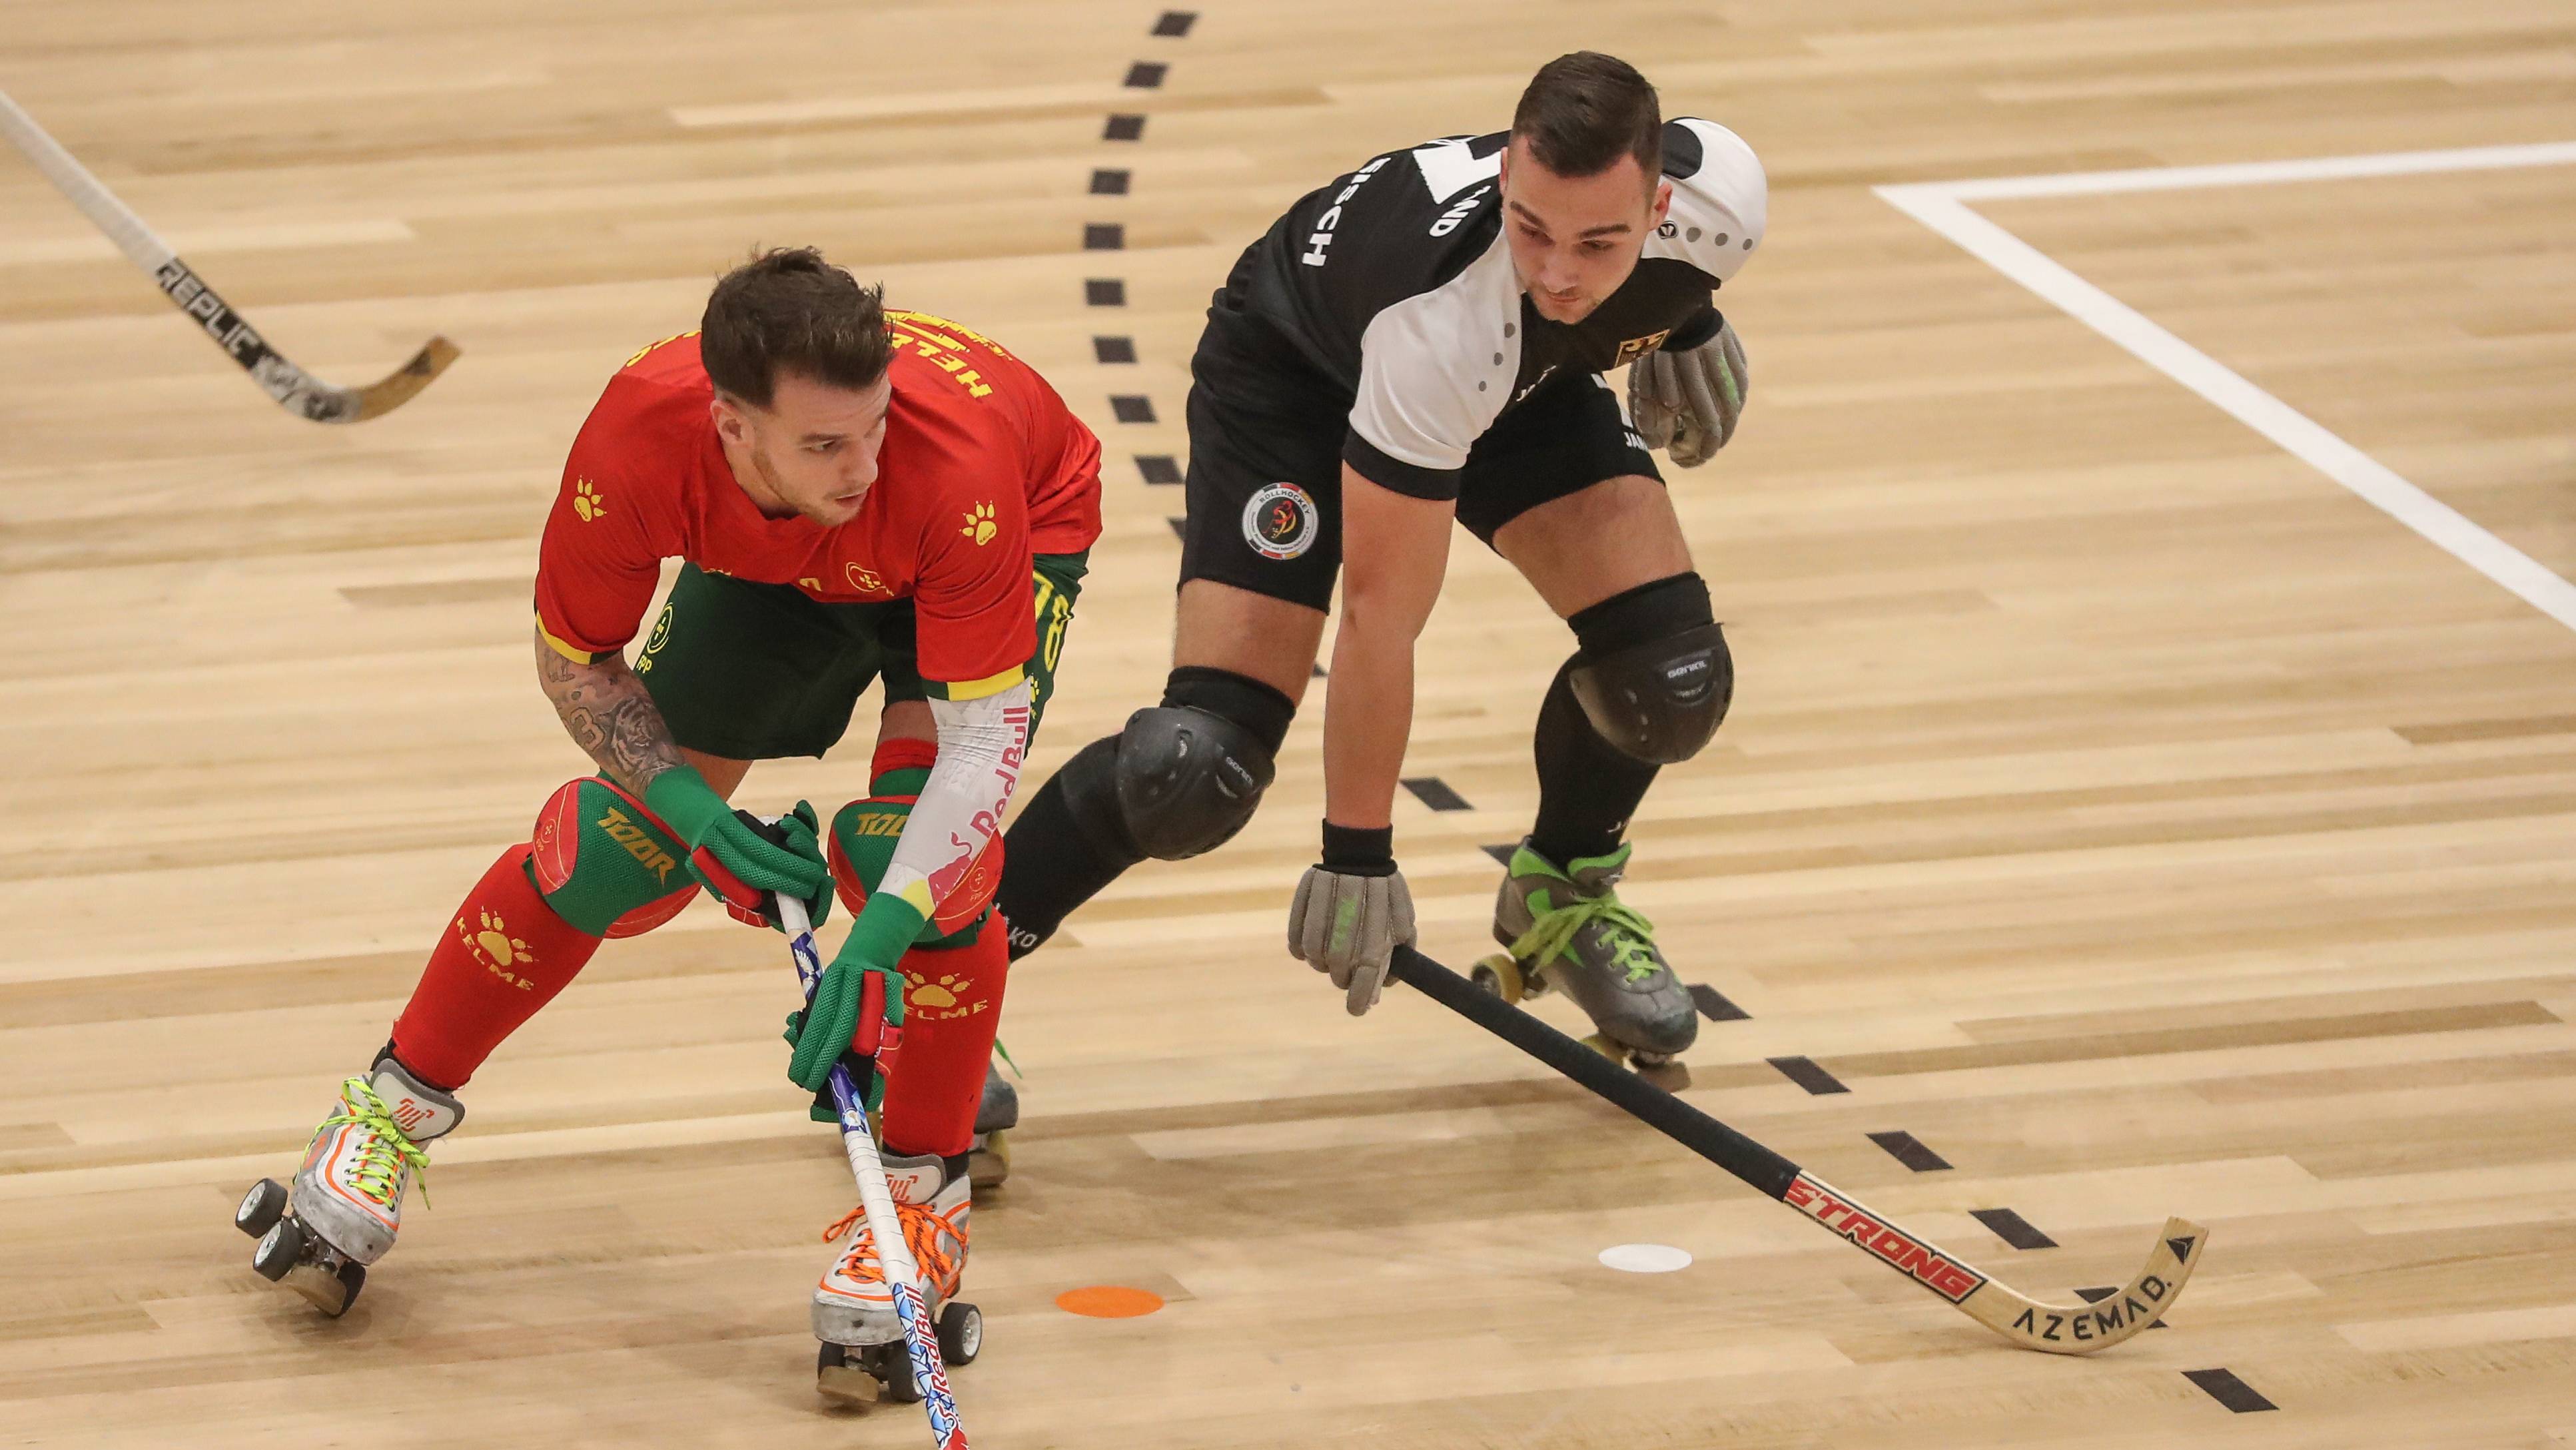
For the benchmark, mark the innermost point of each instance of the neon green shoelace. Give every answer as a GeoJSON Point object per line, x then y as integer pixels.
{"type": "Point", "coordinates": [1632, 937]}
{"type": "Point", "coordinates": [386, 1147]}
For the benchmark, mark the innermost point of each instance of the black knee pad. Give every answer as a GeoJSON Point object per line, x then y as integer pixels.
{"type": "Point", "coordinates": [1653, 674]}
{"type": "Point", "coordinates": [1184, 776]}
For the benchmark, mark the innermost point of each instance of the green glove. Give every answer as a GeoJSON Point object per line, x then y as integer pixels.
{"type": "Point", "coordinates": [823, 1031]}
{"type": "Point", "coordinates": [735, 856]}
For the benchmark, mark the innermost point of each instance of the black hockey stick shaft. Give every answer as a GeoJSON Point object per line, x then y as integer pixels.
{"type": "Point", "coordinates": [1653, 1106]}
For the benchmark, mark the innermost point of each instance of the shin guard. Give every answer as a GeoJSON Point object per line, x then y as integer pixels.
{"type": "Point", "coordinates": [505, 955]}
{"type": "Point", "coordinates": [952, 1008]}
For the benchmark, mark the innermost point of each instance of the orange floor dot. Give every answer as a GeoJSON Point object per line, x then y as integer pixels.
{"type": "Point", "coordinates": [1108, 1301]}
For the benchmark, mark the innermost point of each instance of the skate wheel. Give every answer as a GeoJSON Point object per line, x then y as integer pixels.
{"type": "Point", "coordinates": [838, 1373]}
{"type": "Point", "coordinates": [961, 1333]}
{"type": "Point", "coordinates": [894, 1366]}
{"type": "Point", "coordinates": [989, 1162]}
{"type": "Point", "coordinates": [280, 1248]}
{"type": "Point", "coordinates": [261, 1208]}
{"type": "Point", "coordinates": [1500, 976]}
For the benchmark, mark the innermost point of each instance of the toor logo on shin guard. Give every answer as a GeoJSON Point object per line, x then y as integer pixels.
{"type": "Point", "coordinates": [639, 843]}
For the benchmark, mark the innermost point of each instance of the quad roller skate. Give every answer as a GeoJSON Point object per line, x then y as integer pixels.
{"type": "Point", "coordinates": [1566, 930]}
{"type": "Point", "coordinates": [345, 1207]}
{"type": "Point", "coordinates": [988, 1162]}
{"type": "Point", "coordinates": [862, 1356]}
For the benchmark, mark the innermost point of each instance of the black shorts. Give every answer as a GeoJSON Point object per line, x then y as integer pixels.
{"type": "Point", "coordinates": [1265, 479]}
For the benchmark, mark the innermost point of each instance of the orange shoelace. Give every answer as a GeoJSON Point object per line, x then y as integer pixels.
{"type": "Point", "coordinates": [924, 1230]}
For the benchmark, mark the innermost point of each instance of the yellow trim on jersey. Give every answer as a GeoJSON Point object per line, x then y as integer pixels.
{"type": "Point", "coordinates": [975, 689]}
{"type": "Point", "coordinates": [577, 656]}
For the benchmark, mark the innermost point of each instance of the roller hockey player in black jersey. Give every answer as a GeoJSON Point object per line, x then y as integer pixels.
{"type": "Point", "coordinates": [1424, 338]}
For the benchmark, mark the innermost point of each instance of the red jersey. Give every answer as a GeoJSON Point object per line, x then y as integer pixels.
{"type": "Point", "coordinates": [982, 466]}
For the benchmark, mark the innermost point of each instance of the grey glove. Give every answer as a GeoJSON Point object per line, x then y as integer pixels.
{"type": "Point", "coordinates": [1348, 927]}
{"type": "Point", "coordinates": [1686, 403]}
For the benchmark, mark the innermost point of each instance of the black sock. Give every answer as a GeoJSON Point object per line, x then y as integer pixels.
{"type": "Point", "coordinates": [1051, 865]}
{"type": "Point", "coordinates": [1587, 790]}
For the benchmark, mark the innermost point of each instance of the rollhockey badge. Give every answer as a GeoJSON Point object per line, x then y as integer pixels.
{"type": "Point", "coordinates": [1280, 522]}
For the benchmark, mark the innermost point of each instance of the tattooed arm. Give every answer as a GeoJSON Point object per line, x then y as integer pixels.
{"type": "Point", "coordinates": [609, 715]}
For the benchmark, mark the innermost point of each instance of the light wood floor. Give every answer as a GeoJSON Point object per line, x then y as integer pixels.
{"type": "Point", "coordinates": [2112, 802]}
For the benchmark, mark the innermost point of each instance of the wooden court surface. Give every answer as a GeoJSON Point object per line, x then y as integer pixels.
{"type": "Point", "coordinates": [2112, 803]}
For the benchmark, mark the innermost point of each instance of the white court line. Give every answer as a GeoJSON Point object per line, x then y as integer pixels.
{"type": "Point", "coordinates": [1942, 206]}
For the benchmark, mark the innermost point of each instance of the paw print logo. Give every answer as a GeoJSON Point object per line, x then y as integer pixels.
{"type": "Point", "coordinates": [937, 996]}
{"type": "Point", "coordinates": [499, 950]}
{"type": "Point", "coordinates": [586, 501]}
{"type": "Point", "coordinates": [980, 525]}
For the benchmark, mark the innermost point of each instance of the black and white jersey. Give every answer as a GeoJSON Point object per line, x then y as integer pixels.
{"type": "Point", "coordinates": [1395, 285]}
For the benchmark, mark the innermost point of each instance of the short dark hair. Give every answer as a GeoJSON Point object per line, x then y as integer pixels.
{"type": "Point", "coordinates": [1584, 111]}
{"type": "Point", "coordinates": [789, 309]}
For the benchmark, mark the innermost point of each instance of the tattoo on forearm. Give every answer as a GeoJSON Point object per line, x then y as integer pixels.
{"type": "Point", "coordinates": [609, 715]}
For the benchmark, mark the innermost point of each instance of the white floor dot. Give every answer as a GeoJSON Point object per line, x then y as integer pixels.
{"type": "Point", "coordinates": [1645, 1258]}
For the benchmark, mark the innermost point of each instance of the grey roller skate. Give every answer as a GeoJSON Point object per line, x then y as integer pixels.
{"type": "Point", "coordinates": [346, 1203]}
{"type": "Point", "coordinates": [862, 1357]}
{"type": "Point", "coordinates": [988, 1162]}
{"type": "Point", "coordinates": [1566, 930]}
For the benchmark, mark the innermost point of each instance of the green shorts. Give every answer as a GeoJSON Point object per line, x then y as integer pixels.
{"type": "Point", "coordinates": [757, 671]}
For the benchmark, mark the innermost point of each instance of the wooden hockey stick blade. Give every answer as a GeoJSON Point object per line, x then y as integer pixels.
{"type": "Point", "coordinates": [295, 390]}
{"type": "Point", "coordinates": [2019, 1318]}
{"type": "Point", "coordinates": [404, 383]}
{"type": "Point", "coordinates": [2048, 1328]}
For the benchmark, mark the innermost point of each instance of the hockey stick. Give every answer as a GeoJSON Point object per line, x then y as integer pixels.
{"type": "Point", "coordinates": [2051, 1328]}
{"type": "Point", "coordinates": [902, 1276]}
{"type": "Point", "coordinates": [295, 390]}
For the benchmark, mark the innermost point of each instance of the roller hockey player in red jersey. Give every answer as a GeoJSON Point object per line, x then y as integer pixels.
{"type": "Point", "coordinates": [1423, 339]}
{"type": "Point", "coordinates": [858, 495]}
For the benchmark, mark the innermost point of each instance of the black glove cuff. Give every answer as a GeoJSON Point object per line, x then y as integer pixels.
{"type": "Point", "coordinates": [1359, 850]}
{"type": "Point", "coordinates": [1698, 332]}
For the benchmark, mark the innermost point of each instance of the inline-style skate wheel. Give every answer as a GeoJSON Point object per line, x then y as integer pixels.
{"type": "Point", "coordinates": [961, 1333]}
{"type": "Point", "coordinates": [261, 1208]}
{"type": "Point", "coordinates": [1499, 976]}
{"type": "Point", "coordinates": [280, 1249]}
{"type": "Point", "coordinates": [838, 1373]}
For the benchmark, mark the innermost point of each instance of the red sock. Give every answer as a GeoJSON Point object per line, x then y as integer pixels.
{"type": "Point", "coordinates": [935, 1080]}
{"type": "Point", "coordinates": [504, 956]}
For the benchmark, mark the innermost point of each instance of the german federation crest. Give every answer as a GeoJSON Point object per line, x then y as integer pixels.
{"type": "Point", "coordinates": [1280, 521]}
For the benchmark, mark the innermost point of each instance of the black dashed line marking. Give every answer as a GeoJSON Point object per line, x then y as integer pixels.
{"type": "Point", "coordinates": [1434, 792]}
{"type": "Point", "coordinates": [2017, 1231]}
{"type": "Point", "coordinates": [1175, 23]}
{"type": "Point", "coordinates": [1158, 467]}
{"type": "Point", "coordinates": [1124, 128]}
{"type": "Point", "coordinates": [1714, 1006]}
{"type": "Point", "coordinates": [2223, 1386]}
{"type": "Point", "coordinates": [1132, 408]}
{"type": "Point", "coordinates": [1103, 237]}
{"type": "Point", "coordinates": [1907, 1149]}
{"type": "Point", "coordinates": [1108, 181]}
{"type": "Point", "coordinates": [1104, 292]}
{"type": "Point", "coordinates": [1806, 1074]}
{"type": "Point", "coordinates": [1113, 349]}
{"type": "Point", "coordinates": [1145, 75]}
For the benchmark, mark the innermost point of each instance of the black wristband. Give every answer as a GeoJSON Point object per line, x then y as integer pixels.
{"type": "Point", "coordinates": [1359, 850]}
